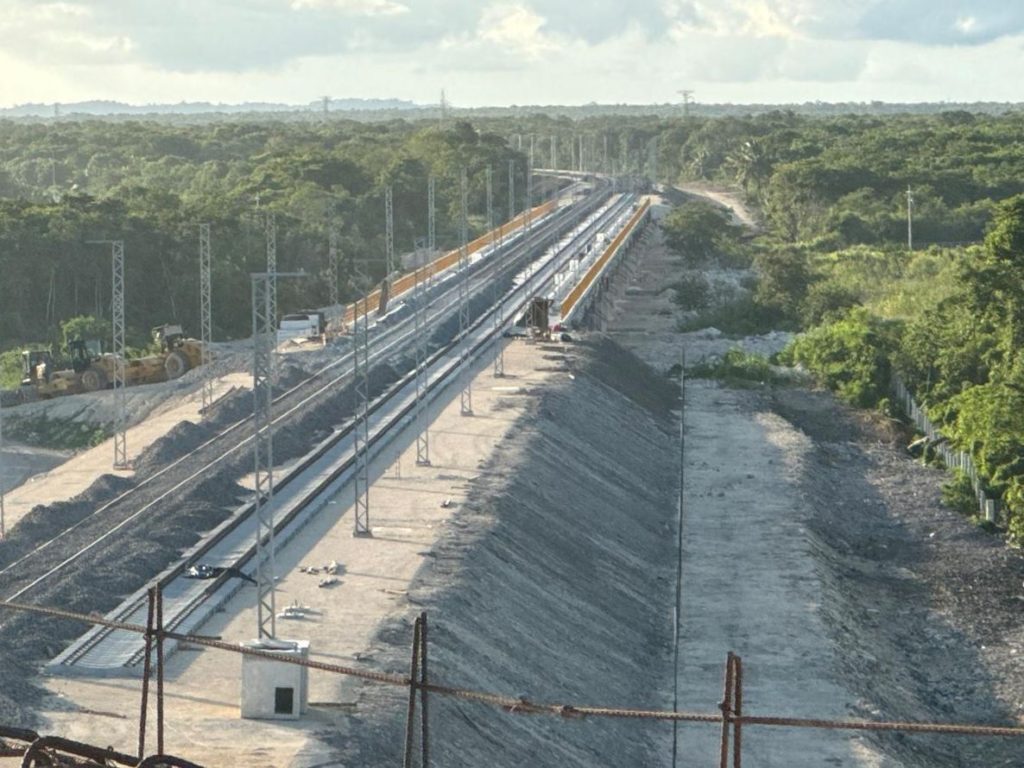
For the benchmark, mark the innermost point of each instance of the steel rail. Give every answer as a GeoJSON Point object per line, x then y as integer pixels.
{"type": "Point", "coordinates": [381, 433]}
{"type": "Point", "coordinates": [395, 338]}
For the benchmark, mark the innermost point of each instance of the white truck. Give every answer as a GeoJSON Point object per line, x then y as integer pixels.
{"type": "Point", "coordinates": [301, 326]}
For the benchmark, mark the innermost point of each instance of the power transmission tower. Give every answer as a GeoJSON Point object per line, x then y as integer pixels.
{"type": "Point", "coordinates": [205, 315]}
{"type": "Point", "coordinates": [466, 399]}
{"type": "Point", "coordinates": [117, 312]}
{"type": "Point", "coordinates": [910, 219]}
{"type": "Point", "coordinates": [687, 97]}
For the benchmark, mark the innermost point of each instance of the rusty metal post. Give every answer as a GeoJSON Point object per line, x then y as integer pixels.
{"type": "Point", "coordinates": [413, 685]}
{"type": "Point", "coordinates": [424, 712]}
{"type": "Point", "coordinates": [726, 707]}
{"type": "Point", "coordinates": [146, 667]}
{"type": "Point", "coordinates": [159, 670]}
{"type": "Point", "coordinates": [737, 734]}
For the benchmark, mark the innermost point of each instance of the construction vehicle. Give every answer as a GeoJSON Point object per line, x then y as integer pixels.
{"type": "Point", "coordinates": [86, 368]}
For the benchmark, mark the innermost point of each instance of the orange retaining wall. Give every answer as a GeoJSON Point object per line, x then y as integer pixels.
{"type": "Point", "coordinates": [584, 284]}
{"type": "Point", "coordinates": [408, 281]}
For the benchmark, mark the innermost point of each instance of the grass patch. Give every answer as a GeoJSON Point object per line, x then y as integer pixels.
{"type": "Point", "coordinates": [60, 434]}
{"type": "Point", "coordinates": [740, 369]}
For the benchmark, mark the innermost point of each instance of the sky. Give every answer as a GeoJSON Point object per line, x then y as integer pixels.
{"type": "Point", "coordinates": [498, 52]}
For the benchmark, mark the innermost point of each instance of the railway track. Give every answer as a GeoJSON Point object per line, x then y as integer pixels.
{"type": "Point", "coordinates": [87, 542]}
{"type": "Point", "coordinates": [442, 368]}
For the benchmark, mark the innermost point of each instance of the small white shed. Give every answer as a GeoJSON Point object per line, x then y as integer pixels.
{"type": "Point", "coordinates": [271, 689]}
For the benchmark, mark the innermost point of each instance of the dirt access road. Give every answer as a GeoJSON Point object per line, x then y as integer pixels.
{"type": "Point", "coordinates": [819, 551]}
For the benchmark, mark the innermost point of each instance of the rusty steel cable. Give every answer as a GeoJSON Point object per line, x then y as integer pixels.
{"type": "Point", "coordinates": [524, 706]}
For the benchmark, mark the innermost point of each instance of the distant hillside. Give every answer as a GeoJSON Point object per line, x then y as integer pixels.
{"type": "Point", "coordinates": [104, 108]}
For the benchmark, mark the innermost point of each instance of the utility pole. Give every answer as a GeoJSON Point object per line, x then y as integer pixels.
{"type": "Point", "coordinates": [582, 164]}
{"type": "Point", "coordinates": [531, 149]}
{"type": "Point", "coordinates": [466, 399]}
{"type": "Point", "coordinates": [910, 219]}
{"type": "Point", "coordinates": [205, 315]}
{"type": "Point", "coordinates": [604, 157]}
{"type": "Point", "coordinates": [117, 313]}
{"type": "Point", "coordinates": [554, 152]}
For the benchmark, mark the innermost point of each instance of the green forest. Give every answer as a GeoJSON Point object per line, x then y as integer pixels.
{"type": "Point", "coordinates": [832, 259]}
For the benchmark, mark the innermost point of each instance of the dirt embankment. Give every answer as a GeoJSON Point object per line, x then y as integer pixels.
{"type": "Point", "coordinates": [553, 581]}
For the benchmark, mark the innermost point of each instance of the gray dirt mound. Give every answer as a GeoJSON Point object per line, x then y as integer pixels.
{"type": "Point", "coordinates": [915, 591]}
{"type": "Point", "coordinates": [182, 439]}
{"type": "Point", "coordinates": [552, 583]}
{"type": "Point", "coordinates": [44, 522]}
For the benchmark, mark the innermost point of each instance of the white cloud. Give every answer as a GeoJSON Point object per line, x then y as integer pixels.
{"type": "Point", "coordinates": [355, 7]}
{"type": "Point", "coordinates": [516, 28]}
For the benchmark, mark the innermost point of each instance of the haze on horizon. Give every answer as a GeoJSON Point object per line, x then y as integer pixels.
{"type": "Point", "coordinates": [498, 53]}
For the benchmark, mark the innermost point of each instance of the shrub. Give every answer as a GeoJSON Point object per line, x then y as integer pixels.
{"type": "Point", "coordinates": [849, 356]}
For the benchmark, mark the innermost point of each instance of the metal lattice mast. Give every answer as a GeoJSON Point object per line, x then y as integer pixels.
{"type": "Point", "coordinates": [582, 164]}
{"type": "Point", "coordinates": [389, 233]}
{"type": "Point", "coordinates": [554, 152]}
{"type": "Point", "coordinates": [466, 399]}
{"type": "Point", "coordinates": [910, 219]}
{"type": "Point", "coordinates": [423, 433]}
{"type": "Point", "coordinates": [361, 433]}
{"type": "Point", "coordinates": [604, 156]}
{"type": "Point", "coordinates": [531, 149]}
{"type": "Point", "coordinates": [499, 354]}
{"type": "Point", "coordinates": [117, 303]}
{"type": "Point", "coordinates": [431, 231]}
{"type": "Point", "coordinates": [511, 190]}
{"type": "Point", "coordinates": [205, 315]}
{"type": "Point", "coordinates": [263, 450]}
{"type": "Point", "coordinates": [3, 462]}
{"type": "Point", "coordinates": [271, 233]}
{"type": "Point", "coordinates": [332, 261]}
{"type": "Point", "coordinates": [529, 198]}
